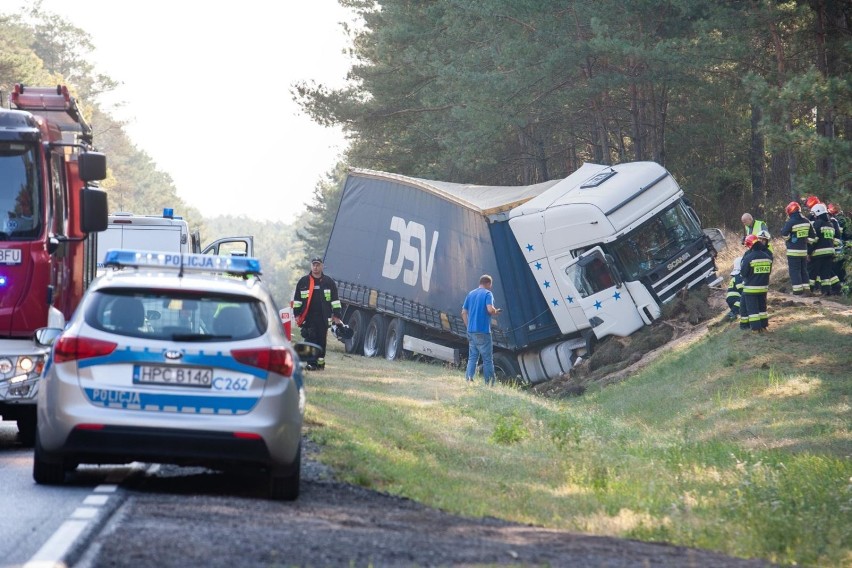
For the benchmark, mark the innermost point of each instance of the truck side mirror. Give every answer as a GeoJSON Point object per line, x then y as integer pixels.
{"type": "Point", "coordinates": [92, 166]}
{"type": "Point", "coordinates": [94, 215]}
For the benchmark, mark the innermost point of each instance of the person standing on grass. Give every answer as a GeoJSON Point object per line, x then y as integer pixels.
{"type": "Point", "coordinates": [735, 289]}
{"type": "Point", "coordinates": [315, 306]}
{"type": "Point", "coordinates": [823, 252]}
{"type": "Point", "coordinates": [756, 267]}
{"type": "Point", "coordinates": [798, 235]}
{"type": "Point", "coordinates": [476, 313]}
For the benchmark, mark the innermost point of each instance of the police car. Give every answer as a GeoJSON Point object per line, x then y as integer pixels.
{"type": "Point", "coordinates": [173, 358]}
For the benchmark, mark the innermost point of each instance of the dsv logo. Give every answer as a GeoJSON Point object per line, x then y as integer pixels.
{"type": "Point", "coordinates": [416, 255]}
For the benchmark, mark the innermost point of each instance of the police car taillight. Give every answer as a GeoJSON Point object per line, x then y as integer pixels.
{"type": "Point", "coordinates": [76, 348]}
{"type": "Point", "coordinates": [275, 359]}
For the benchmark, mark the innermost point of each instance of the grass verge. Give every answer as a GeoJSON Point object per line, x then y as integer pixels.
{"type": "Point", "coordinates": [738, 443]}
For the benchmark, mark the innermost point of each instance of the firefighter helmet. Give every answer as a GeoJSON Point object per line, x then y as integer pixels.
{"type": "Point", "coordinates": [750, 240]}
{"type": "Point", "coordinates": [737, 266]}
{"type": "Point", "coordinates": [763, 234]}
{"type": "Point", "coordinates": [818, 209]}
{"type": "Point", "coordinates": [811, 201]}
{"type": "Point", "coordinates": [792, 207]}
{"type": "Point", "coordinates": [833, 209]}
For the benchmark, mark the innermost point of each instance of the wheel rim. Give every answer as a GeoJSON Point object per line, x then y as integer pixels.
{"type": "Point", "coordinates": [391, 347]}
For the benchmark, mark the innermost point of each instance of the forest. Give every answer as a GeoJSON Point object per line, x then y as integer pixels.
{"type": "Point", "coordinates": [747, 103]}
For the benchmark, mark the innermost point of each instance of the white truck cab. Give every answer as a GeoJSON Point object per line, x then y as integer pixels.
{"type": "Point", "coordinates": [163, 233]}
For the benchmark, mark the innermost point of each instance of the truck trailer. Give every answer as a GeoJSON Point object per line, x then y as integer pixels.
{"type": "Point", "coordinates": [573, 261]}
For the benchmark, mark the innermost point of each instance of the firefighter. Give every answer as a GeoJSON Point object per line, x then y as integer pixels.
{"type": "Point", "coordinates": [822, 252]}
{"type": "Point", "coordinates": [315, 307]}
{"type": "Point", "coordinates": [753, 226]}
{"type": "Point", "coordinates": [735, 288]}
{"type": "Point", "coordinates": [841, 233]}
{"type": "Point", "coordinates": [798, 235]}
{"type": "Point", "coordinates": [810, 202]}
{"type": "Point", "coordinates": [756, 268]}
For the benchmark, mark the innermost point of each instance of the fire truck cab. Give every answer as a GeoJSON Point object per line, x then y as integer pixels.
{"type": "Point", "coordinates": [47, 211]}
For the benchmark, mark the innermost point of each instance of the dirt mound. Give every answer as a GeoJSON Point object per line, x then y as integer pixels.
{"type": "Point", "coordinates": [616, 358]}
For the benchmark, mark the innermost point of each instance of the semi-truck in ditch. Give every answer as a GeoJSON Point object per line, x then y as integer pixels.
{"type": "Point", "coordinates": [573, 260]}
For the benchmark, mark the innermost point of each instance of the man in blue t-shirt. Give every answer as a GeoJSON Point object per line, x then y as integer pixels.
{"type": "Point", "coordinates": [476, 313]}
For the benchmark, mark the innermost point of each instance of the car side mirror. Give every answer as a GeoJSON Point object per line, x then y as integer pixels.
{"type": "Point", "coordinates": [45, 336]}
{"type": "Point", "coordinates": [307, 350]}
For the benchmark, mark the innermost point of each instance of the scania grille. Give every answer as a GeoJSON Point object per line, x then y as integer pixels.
{"type": "Point", "coordinates": [689, 274]}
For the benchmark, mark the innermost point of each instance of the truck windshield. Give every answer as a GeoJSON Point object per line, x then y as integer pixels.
{"type": "Point", "coordinates": [19, 195]}
{"type": "Point", "coordinates": [653, 243]}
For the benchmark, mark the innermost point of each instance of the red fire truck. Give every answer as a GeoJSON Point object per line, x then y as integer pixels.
{"type": "Point", "coordinates": [47, 211]}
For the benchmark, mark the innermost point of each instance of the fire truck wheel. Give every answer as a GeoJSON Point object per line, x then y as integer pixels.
{"type": "Point", "coordinates": [27, 429]}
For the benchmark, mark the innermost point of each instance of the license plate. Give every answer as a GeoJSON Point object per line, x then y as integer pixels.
{"type": "Point", "coordinates": [172, 376]}
{"type": "Point", "coordinates": [10, 256]}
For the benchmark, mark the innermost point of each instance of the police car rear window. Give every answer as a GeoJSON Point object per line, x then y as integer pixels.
{"type": "Point", "coordinates": [176, 316]}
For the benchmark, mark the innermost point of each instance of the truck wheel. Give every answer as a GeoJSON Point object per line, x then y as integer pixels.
{"type": "Point", "coordinates": [506, 367]}
{"type": "Point", "coordinates": [393, 343]}
{"type": "Point", "coordinates": [374, 336]}
{"type": "Point", "coordinates": [358, 322]}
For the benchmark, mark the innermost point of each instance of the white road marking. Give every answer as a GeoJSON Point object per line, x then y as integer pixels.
{"type": "Point", "coordinates": [84, 513]}
{"type": "Point", "coordinates": [49, 555]}
{"type": "Point", "coordinates": [96, 500]}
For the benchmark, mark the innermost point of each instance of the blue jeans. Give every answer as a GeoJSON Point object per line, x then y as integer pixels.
{"type": "Point", "coordinates": [480, 344]}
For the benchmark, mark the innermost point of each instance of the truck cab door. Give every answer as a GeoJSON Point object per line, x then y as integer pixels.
{"type": "Point", "coordinates": [606, 301]}
{"type": "Point", "coordinates": [231, 246]}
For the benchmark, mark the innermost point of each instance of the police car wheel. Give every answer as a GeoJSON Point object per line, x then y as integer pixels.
{"type": "Point", "coordinates": [284, 486]}
{"type": "Point", "coordinates": [47, 470]}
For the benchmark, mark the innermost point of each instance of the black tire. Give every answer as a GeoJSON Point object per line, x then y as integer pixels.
{"type": "Point", "coordinates": [358, 322]}
{"type": "Point", "coordinates": [284, 486]}
{"type": "Point", "coordinates": [47, 470]}
{"type": "Point", "coordinates": [27, 428]}
{"type": "Point", "coordinates": [506, 367]}
{"type": "Point", "coordinates": [374, 336]}
{"type": "Point", "coordinates": [397, 329]}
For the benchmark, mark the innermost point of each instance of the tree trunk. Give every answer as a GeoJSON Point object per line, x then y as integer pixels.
{"type": "Point", "coordinates": [758, 171]}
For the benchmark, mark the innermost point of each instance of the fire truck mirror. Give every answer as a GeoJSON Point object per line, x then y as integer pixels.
{"type": "Point", "coordinates": [92, 166]}
{"type": "Point", "coordinates": [94, 217]}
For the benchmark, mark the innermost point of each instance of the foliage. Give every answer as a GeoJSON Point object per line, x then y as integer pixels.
{"type": "Point", "coordinates": [275, 244]}
{"type": "Point", "coordinates": [748, 104]}
{"type": "Point", "coordinates": [315, 227]}
{"type": "Point", "coordinates": [744, 453]}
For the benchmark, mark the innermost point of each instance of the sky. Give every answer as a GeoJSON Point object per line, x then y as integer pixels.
{"type": "Point", "coordinates": [206, 93]}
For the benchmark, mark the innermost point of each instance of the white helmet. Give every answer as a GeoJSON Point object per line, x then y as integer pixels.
{"type": "Point", "coordinates": [763, 234]}
{"type": "Point", "coordinates": [737, 266]}
{"type": "Point", "coordinates": [819, 209]}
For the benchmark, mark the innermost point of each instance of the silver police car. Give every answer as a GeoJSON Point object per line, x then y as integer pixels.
{"type": "Point", "coordinates": [173, 358]}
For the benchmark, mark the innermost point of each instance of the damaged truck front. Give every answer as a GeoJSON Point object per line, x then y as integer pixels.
{"type": "Point", "coordinates": [573, 260]}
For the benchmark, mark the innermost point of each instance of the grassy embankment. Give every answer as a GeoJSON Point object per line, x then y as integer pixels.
{"type": "Point", "coordinates": [738, 443]}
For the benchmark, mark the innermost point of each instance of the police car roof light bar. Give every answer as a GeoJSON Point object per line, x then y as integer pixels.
{"type": "Point", "coordinates": [171, 261]}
